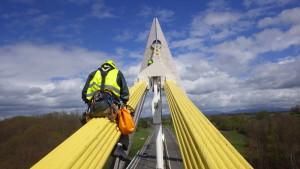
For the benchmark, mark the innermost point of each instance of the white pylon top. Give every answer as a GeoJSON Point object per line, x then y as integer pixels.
{"type": "Point", "coordinates": [158, 50]}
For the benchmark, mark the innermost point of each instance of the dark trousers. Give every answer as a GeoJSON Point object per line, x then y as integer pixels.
{"type": "Point", "coordinates": [124, 139]}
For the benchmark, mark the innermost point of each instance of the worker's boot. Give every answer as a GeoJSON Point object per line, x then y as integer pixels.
{"type": "Point", "coordinates": [120, 152]}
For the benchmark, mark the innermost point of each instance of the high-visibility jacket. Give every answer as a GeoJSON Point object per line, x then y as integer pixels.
{"type": "Point", "coordinates": [110, 84]}
{"type": "Point", "coordinates": [150, 61]}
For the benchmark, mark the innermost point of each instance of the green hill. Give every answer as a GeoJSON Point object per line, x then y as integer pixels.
{"type": "Point", "coordinates": [25, 140]}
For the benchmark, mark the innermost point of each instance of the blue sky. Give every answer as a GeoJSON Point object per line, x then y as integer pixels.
{"type": "Point", "coordinates": [230, 55]}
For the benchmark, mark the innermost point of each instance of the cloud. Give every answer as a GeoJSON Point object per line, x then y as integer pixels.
{"type": "Point", "coordinates": [288, 16]}
{"type": "Point", "coordinates": [31, 18]}
{"type": "Point", "coordinates": [175, 34]}
{"type": "Point", "coordinates": [236, 54]}
{"type": "Point", "coordinates": [120, 50]}
{"type": "Point", "coordinates": [145, 11]}
{"type": "Point", "coordinates": [240, 52]}
{"type": "Point", "coordinates": [43, 78]}
{"type": "Point", "coordinates": [28, 12]}
{"type": "Point", "coordinates": [224, 70]}
{"type": "Point", "coordinates": [269, 3]}
{"type": "Point", "coordinates": [128, 53]}
{"type": "Point", "coordinates": [99, 10]}
{"type": "Point", "coordinates": [220, 18]}
{"type": "Point", "coordinates": [189, 43]}
{"type": "Point", "coordinates": [163, 15]}
{"type": "Point", "coordinates": [285, 73]}
{"type": "Point", "coordinates": [246, 99]}
{"type": "Point", "coordinates": [199, 76]}
{"type": "Point", "coordinates": [216, 25]}
{"type": "Point", "coordinates": [125, 35]}
{"type": "Point", "coordinates": [41, 20]}
{"type": "Point", "coordinates": [217, 5]}
{"type": "Point", "coordinates": [269, 85]}
{"type": "Point", "coordinates": [80, 1]}
{"type": "Point", "coordinates": [52, 60]}
{"type": "Point", "coordinates": [142, 36]}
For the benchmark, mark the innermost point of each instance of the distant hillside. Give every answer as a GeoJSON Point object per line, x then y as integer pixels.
{"type": "Point", "coordinates": [266, 140]}
{"type": "Point", "coordinates": [25, 140]}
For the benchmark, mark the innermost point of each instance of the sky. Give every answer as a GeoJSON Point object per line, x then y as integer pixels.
{"type": "Point", "coordinates": [231, 55]}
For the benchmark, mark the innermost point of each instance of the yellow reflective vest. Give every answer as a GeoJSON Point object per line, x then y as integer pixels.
{"type": "Point", "coordinates": [110, 84]}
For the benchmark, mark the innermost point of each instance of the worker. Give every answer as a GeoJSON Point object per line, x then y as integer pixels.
{"type": "Point", "coordinates": [104, 89]}
{"type": "Point", "coordinates": [150, 61]}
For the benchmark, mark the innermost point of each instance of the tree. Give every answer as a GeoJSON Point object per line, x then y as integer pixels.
{"type": "Point", "coordinates": [295, 109]}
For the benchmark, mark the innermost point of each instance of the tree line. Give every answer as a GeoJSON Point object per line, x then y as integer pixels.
{"type": "Point", "coordinates": [272, 139]}
{"type": "Point", "coordinates": [25, 140]}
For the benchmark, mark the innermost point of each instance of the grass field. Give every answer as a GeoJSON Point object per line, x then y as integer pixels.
{"type": "Point", "coordinates": [237, 140]}
{"type": "Point", "coordinates": [139, 139]}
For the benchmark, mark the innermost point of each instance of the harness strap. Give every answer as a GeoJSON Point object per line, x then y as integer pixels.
{"type": "Point", "coordinates": [103, 75]}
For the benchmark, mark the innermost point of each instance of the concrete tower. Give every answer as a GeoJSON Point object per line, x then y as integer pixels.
{"type": "Point", "coordinates": [158, 50]}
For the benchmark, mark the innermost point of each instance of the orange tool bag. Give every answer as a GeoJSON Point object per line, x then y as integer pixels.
{"type": "Point", "coordinates": [125, 121]}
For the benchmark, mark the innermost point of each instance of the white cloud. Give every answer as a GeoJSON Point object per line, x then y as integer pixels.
{"type": "Point", "coordinates": [288, 16]}
{"type": "Point", "coordinates": [17, 14]}
{"type": "Point", "coordinates": [128, 53]}
{"type": "Point", "coordinates": [220, 18]}
{"type": "Point", "coordinates": [163, 15]}
{"type": "Point", "coordinates": [142, 36]}
{"type": "Point", "coordinates": [217, 5]}
{"type": "Point", "coordinates": [131, 71]}
{"type": "Point", "coordinates": [269, 3]}
{"type": "Point", "coordinates": [80, 1]}
{"type": "Point", "coordinates": [269, 85]}
{"type": "Point", "coordinates": [125, 35]}
{"type": "Point", "coordinates": [120, 51]}
{"type": "Point", "coordinates": [238, 53]}
{"type": "Point", "coordinates": [276, 40]}
{"type": "Point", "coordinates": [135, 54]}
{"type": "Point", "coordinates": [285, 73]}
{"type": "Point", "coordinates": [175, 34]}
{"type": "Point", "coordinates": [99, 10]}
{"type": "Point", "coordinates": [33, 63]}
{"type": "Point", "coordinates": [247, 99]}
{"type": "Point", "coordinates": [199, 76]}
{"type": "Point", "coordinates": [216, 76]}
{"type": "Point", "coordinates": [145, 11]}
{"type": "Point", "coordinates": [217, 25]}
{"type": "Point", "coordinates": [189, 43]}
{"type": "Point", "coordinates": [41, 78]}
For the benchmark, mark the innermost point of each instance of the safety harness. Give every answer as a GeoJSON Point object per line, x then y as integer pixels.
{"type": "Point", "coordinates": [104, 95]}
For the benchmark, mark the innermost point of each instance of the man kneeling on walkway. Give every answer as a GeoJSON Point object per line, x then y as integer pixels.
{"type": "Point", "coordinates": [104, 89]}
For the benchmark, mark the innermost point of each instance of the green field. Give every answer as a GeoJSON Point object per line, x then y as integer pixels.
{"type": "Point", "coordinates": [138, 141]}
{"type": "Point", "coordinates": [237, 140]}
